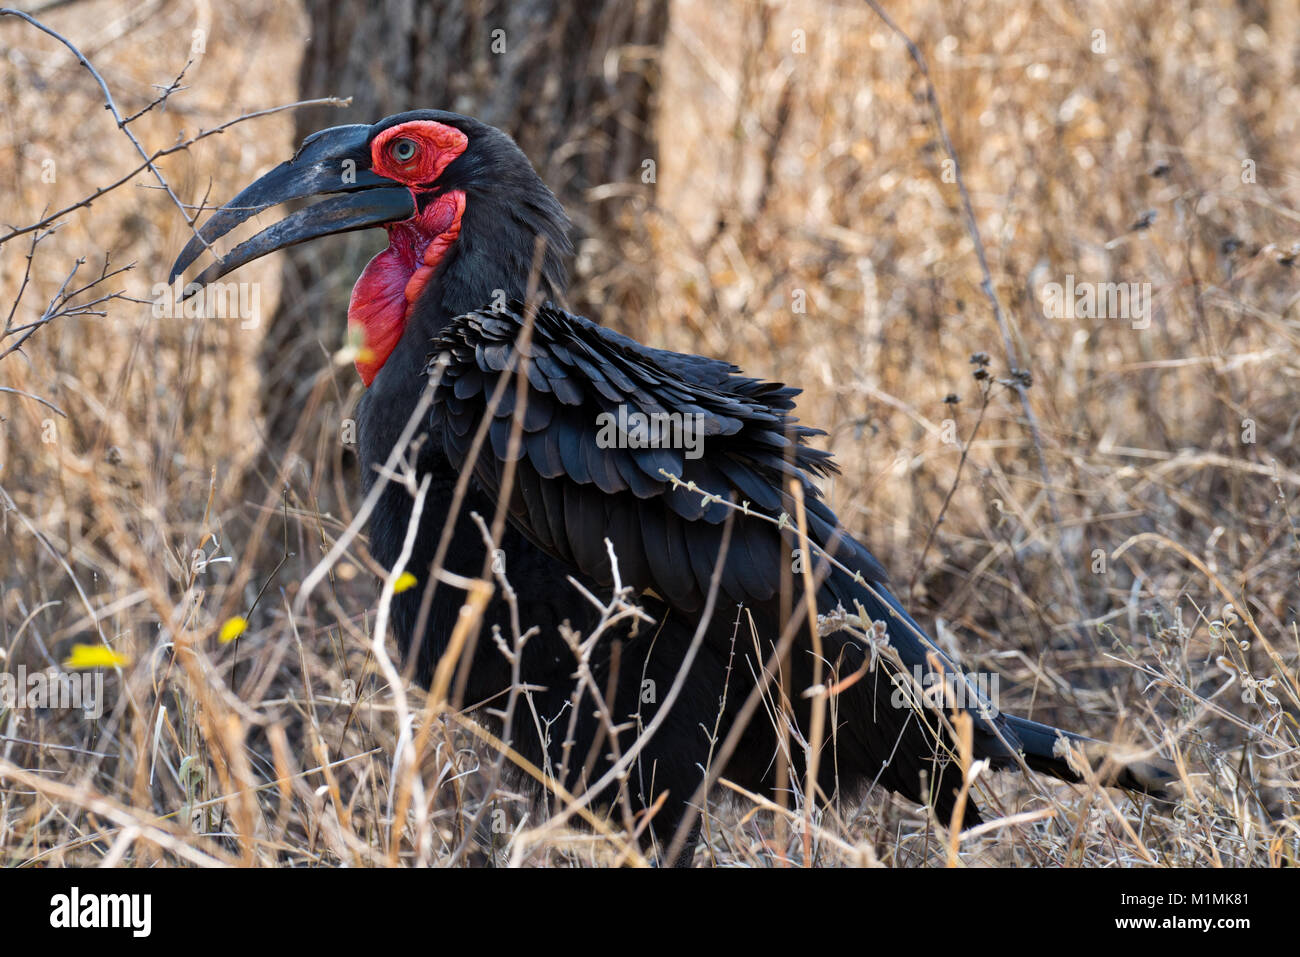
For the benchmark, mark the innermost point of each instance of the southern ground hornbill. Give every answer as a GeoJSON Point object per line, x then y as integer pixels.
{"type": "Point", "coordinates": [470, 225]}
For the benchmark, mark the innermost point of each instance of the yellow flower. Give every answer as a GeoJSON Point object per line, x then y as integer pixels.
{"type": "Point", "coordinates": [404, 581]}
{"type": "Point", "coordinates": [232, 629]}
{"type": "Point", "coordinates": [95, 656]}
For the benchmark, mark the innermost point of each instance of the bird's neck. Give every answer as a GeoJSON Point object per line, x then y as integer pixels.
{"type": "Point", "coordinates": [499, 247]}
{"type": "Point", "coordinates": [482, 255]}
{"type": "Point", "coordinates": [390, 287]}
{"type": "Point", "coordinates": [459, 254]}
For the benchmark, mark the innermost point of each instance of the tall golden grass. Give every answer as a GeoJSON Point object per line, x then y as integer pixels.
{"type": "Point", "coordinates": [1120, 546]}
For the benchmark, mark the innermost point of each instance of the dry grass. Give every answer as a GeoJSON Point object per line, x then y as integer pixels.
{"type": "Point", "coordinates": [1088, 558]}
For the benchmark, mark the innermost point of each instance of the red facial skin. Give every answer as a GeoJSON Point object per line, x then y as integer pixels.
{"type": "Point", "coordinates": [392, 281]}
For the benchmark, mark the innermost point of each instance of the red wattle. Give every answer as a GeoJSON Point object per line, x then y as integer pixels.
{"type": "Point", "coordinates": [393, 280]}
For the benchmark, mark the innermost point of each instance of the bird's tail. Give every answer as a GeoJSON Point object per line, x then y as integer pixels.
{"type": "Point", "coordinates": [1047, 750]}
{"type": "Point", "coordinates": [998, 736]}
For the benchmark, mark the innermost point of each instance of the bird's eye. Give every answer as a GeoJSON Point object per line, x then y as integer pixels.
{"type": "Point", "coordinates": [403, 150]}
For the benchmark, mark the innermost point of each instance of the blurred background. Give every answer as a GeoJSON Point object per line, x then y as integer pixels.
{"type": "Point", "coordinates": [1114, 532]}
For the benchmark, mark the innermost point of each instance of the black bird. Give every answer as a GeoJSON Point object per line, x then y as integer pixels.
{"type": "Point", "coordinates": [448, 303]}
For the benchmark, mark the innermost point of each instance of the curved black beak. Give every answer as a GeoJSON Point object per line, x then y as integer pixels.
{"type": "Point", "coordinates": [331, 161]}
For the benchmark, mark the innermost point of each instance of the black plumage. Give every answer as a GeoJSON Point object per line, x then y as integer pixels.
{"type": "Point", "coordinates": [666, 510]}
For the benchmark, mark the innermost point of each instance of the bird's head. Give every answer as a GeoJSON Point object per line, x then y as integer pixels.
{"type": "Point", "coordinates": [462, 205]}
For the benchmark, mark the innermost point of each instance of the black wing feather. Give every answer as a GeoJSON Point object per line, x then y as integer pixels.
{"type": "Point", "coordinates": [573, 490]}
